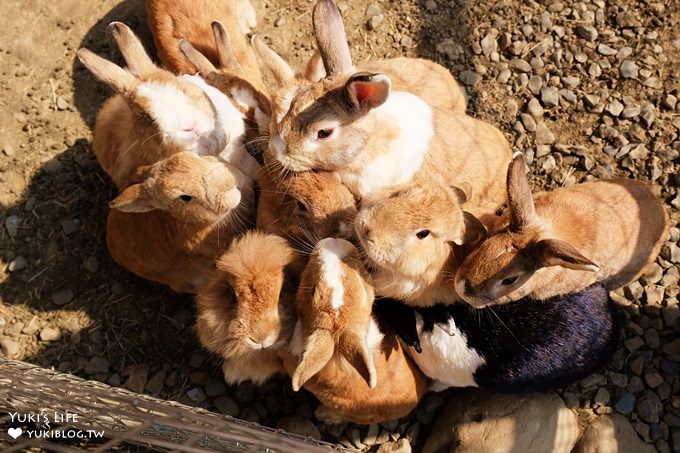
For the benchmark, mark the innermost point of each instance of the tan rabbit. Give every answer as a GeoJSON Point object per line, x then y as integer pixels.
{"type": "Point", "coordinates": [305, 208]}
{"type": "Point", "coordinates": [562, 241]}
{"type": "Point", "coordinates": [156, 114]}
{"type": "Point", "coordinates": [171, 21]}
{"type": "Point", "coordinates": [378, 131]}
{"type": "Point", "coordinates": [413, 238]}
{"type": "Point", "coordinates": [337, 351]}
{"type": "Point", "coordinates": [170, 227]}
{"type": "Point", "coordinates": [245, 312]}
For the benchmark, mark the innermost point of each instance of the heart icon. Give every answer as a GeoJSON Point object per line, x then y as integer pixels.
{"type": "Point", "coordinates": [14, 432]}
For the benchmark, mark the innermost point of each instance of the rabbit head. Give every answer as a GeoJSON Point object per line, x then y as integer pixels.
{"type": "Point", "coordinates": [306, 207]}
{"type": "Point", "coordinates": [505, 261]}
{"type": "Point", "coordinates": [417, 246]}
{"type": "Point", "coordinates": [181, 112]}
{"type": "Point", "coordinates": [190, 188]}
{"type": "Point", "coordinates": [333, 304]}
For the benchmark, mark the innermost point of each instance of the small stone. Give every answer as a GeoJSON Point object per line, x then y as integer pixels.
{"type": "Point", "coordinates": [503, 76]}
{"type": "Point", "coordinates": [550, 96]}
{"type": "Point", "coordinates": [535, 84]}
{"type": "Point", "coordinates": [371, 435]}
{"type": "Point", "coordinates": [406, 41]}
{"type": "Point", "coordinates": [52, 166]}
{"type": "Point", "coordinates": [591, 100]}
{"type": "Point", "coordinates": [280, 21]}
{"type": "Point", "coordinates": [400, 446]}
{"type": "Point", "coordinates": [633, 344]}
{"type": "Point", "coordinates": [649, 407]}
{"type": "Point", "coordinates": [70, 226]}
{"type": "Point", "coordinates": [373, 10]}
{"type": "Point", "coordinates": [62, 297]}
{"type": "Point", "coordinates": [606, 50]}
{"type": "Point", "coordinates": [215, 387]}
{"type": "Point", "coordinates": [614, 108]}
{"type": "Point", "coordinates": [639, 152]}
{"type": "Point", "coordinates": [96, 365]}
{"type": "Point", "coordinates": [625, 404]}
{"type": "Point", "coordinates": [197, 395]}
{"type": "Point", "coordinates": [671, 348]}
{"type": "Point", "coordinates": [628, 69]}
{"type": "Point", "coordinates": [670, 101]}
{"type": "Point", "coordinates": [298, 425]}
{"type": "Point", "coordinates": [469, 78]}
{"type": "Point", "coordinates": [601, 397]}
{"type": "Point", "coordinates": [535, 109]}
{"type": "Point", "coordinates": [489, 44]}
{"type": "Point", "coordinates": [654, 294]}
{"type": "Point", "coordinates": [653, 380]}
{"type": "Point", "coordinates": [50, 334]}
{"type": "Point", "coordinates": [618, 379]}
{"type": "Point", "coordinates": [543, 135]}
{"type": "Point", "coordinates": [511, 108]}
{"type": "Point", "coordinates": [18, 264]}
{"type": "Point", "coordinates": [196, 359]}
{"type": "Point", "coordinates": [519, 65]}
{"type": "Point", "coordinates": [12, 225]}
{"type": "Point", "coordinates": [226, 405]}
{"type": "Point", "coordinates": [137, 377]}
{"type": "Point", "coordinates": [91, 264]}
{"type": "Point", "coordinates": [10, 348]}
{"type": "Point", "coordinates": [8, 150]}
{"type": "Point", "coordinates": [155, 384]}
{"type": "Point", "coordinates": [588, 33]}
{"type": "Point", "coordinates": [653, 82]}
{"type": "Point", "coordinates": [528, 122]}
{"type": "Point", "coordinates": [375, 21]}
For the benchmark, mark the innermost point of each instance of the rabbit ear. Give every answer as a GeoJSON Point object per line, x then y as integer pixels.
{"type": "Point", "coordinates": [473, 232]}
{"type": "Point", "coordinates": [281, 71]}
{"type": "Point", "coordinates": [330, 37]}
{"type": "Point", "coordinates": [225, 51]}
{"type": "Point", "coordinates": [196, 58]}
{"type": "Point", "coordinates": [367, 91]}
{"type": "Point", "coordinates": [319, 349]}
{"type": "Point", "coordinates": [554, 252]}
{"type": "Point", "coordinates": [133, 51]}
{"type": "Point", "coordinates": [133, 199]}
{"type": "Point", "coordinates": [520, 200]}
{"type": "Point", "coordinates": [355, 350]}
{"type": "Point", "coordinates": [463, 191]}
{"type": "Point", "coordinates": [314, 71]}
{"type": "Point", "coordinates": [110, 73]}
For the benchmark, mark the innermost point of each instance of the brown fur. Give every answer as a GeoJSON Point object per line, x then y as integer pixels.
{"type": "Point", "coordinates": [567, 239]}
{"type": "Point", "coordinates": [305, 208]}
{"type": "Point", "coordinates": [172, 20]}
{"type": "Point", "coordinates": [417, 270]}
{"type": "Point", "coordinates": [245, 311]}
{"type": "Point", "coordinates": [155, 234]}
{"type": "Point", "coordinates": [331, 356]}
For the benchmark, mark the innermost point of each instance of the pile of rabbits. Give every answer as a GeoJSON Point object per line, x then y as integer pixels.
{"type": "Point", "coordinates": [342, 224]}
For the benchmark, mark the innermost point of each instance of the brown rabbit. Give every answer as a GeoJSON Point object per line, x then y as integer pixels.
{"type": "Point", "coordinates": [305, 208]}
{"type": "Point", "coordinates": [245, 311]}
{"type": "Point", "coordinates": [337, 351]}
{"type": "Point", "coordinates": [413, 238]}
{"type": "Point", "coordinates": [171, 227]}
{"type": "Point", "coordinates": [156, 114]}
{"type": "Point", "coordinates": [379, 131]}
{"type": "Point", "coordinates": [565, 240]}
{"type": "Point", "coordinates": [171, 21]}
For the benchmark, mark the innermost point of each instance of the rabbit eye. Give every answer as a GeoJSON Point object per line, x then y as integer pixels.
{"type": "Point", "coordinates": [324, 133]}
{"type": "Point", "coordinates": [509, 281]}
{"type": "Point", "coordinates": [186, 198]}
{"type": "Point", "coordinates": [301, 206]}
{"type": "Point", "coordinates": [422, 234]}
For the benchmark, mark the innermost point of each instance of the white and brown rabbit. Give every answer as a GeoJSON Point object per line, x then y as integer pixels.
{"type": "Point", "coordinates": [173, 20]}
{"type": "Point", "coordinates": [559, 242]}
{"type": "Point", "coordinates": [378, 131]}
{"type": "Point", "coordinates": [155, 113]}
{"type": "Point", "coordinates": [338, 352]}
{"type": "Point", "coordinates": [414, 238]}
{"type": "Point", "coordinates": [246, 309]}
{"type": "Point", "coordinates": [172, 225]}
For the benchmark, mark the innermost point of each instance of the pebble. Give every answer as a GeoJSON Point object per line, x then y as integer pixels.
{"type": "Point", "coordinates": [50, 334]}
{"type": "Point", "coordinates": [625, 404]}
{"type": "Point", "coordinates": [62, 297]}
{"type": "Point", "coordinates": [196, 359]}
{"type": "Point", "coordinates": [469, 78]}
{"type": "Point", "coordinates": [10, 348]}
{"type": "Point", "coordinates": [62, 104]}
{"type": "Point", "coordinates": [618, 379]}
{"type": "Point", "coordinates": [586, 32]}
{"type": "Point", "coordinates": [653, 82]}
{"type": "Point", "coordinates": [8, 150]}
{"type": "Point", "coordinates": [528, 122]}
{"type": "Point", "coordinates": [653, 380]}
{"type": "Point", "coordinates": [215, 387]}
{"type": "Point", "coordinates": [197, 395]}
{"type": "Point", "coordinates": [601, 397]}
{"type": "Point", "coordinates": [649, 407]}
{"type": "Point", "coordinates": [96, 365]}
{"type": "Point", "coordinates": [91, 264]}
{"type": "Point", "coordinates": [606, 50]}
{"type": "Point", "coordinates": [543, 134]}
{"type": "Point", "coordinates": [550, 96]}
{"type": "Point", "coordinates": [375, 21]}
{"type": "Point", "coordinates": [628, 69]}
{"type": "Point", "coordinates": [155, 384]}
{"type": "Point", "coordinates": [12, 225]}
{"type": "Point", "coordinates": [519, 65]}
{"type": "Point", "coordinates": [137, 377]}
{"type": "Point", "coordinates": [489, 44]}
{"type": "Point", "coordinates": [614, 108]}
{"type": "Point", "coordinates": [671, 348]}
{"type": "Point", "coordinates": [226, 405]}
{"type": "Point", "coordinates": [535, 109]}
{"type": "Point", "coordinates": [70, 226]}
{"type": "Point", "coordinates": [400, 446]}
{"type": "Point", "coordinates": [18, 264]}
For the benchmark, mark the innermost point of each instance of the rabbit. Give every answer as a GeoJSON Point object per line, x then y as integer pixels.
{"type": "Point", "coordinates": [337, 350]}
{"type": "Point", "coordinates": [522, 346]}
{"type": "Point", "coordinates": [172, 225]}
{"type": "Point", "coordinates": [562, 241]}
{"type": "Point", "coordinates": [413, 238]}
{"type": "Point", "coordinates": [171, 21]}
{"type": "Point", "coordinates": [245, 312]}
{"type": "Point", "coordinates": [378, 137]}
{"type": "Point", "coordinates": [305, 207]}
{"type": "Point", "coordinates": [156, 114]}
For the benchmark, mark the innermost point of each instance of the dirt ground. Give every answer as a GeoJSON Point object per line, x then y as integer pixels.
{"type": "Point", "coordinates": [64, 302]}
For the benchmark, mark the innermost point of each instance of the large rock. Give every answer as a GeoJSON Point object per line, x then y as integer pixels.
{"type": "Point", "coordinates": [609, 434]}
{"type": "Point", "coordinates": [481, 422]}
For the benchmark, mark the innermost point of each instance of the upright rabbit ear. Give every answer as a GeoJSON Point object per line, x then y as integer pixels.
{"type": "Point", "coordinates": [520, 200]}
{"type": "Point", "coordinates": [133, 51]}
{"type": "Point", "coordinates": [225, 51]}
{"type": "Point", "coordinates": [133, 199]}
{"type": "Point", "coordinates": [353, 347]}
{"type": "Point", "coordinates": [281, 71]}
{"type": "Point", "coordinates": [314, 71]}
{"type": "Point", "coordinates": [110, 73]}
{"type": "Point", "coordinates": [367, 91]}
{"type": "Point", "coordinates": [473, 231]}
{"type": "Point", "coordinates": [463, 191]}
{"type": "Point", "coordinates": [554, 252]}
{"type": "Point", "coordinates": [318, 350]}
{"type": "Point", "coordinates": [330, 37]}
{"type": "Point", "coordinates": [196, 58]}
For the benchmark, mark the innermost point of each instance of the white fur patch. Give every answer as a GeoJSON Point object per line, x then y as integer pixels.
{"type": "Point", "coordinates": [446, 358]}
{"type": "Point", "coordinates": [401, 161]}
{"type": "Point", "coordinates": [373, 337]}
{"type": "Point", "coordinates": [331, 253]}
{"type": "Point", "coordinates": [297, 346]}
{"type": "Point", "coordinates": [284, 105]}
{"type": "Point", "coordinates": [277, 146]}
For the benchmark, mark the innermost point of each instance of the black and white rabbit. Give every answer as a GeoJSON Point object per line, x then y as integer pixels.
{"type": "Point", "coordinates": [518, 347]}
